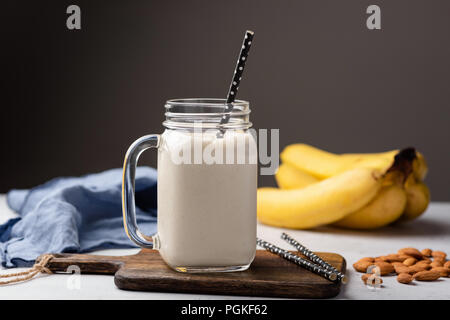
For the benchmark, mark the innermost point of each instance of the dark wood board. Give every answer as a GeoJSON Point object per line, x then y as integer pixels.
{"type": "Point", "coordinates": [268, 276]}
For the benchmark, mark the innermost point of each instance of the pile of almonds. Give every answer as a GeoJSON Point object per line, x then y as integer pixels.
{"type": "Point", "coordinates": [409, 264]}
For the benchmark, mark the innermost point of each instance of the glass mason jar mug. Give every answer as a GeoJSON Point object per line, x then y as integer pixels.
{"type": "Point", "coordinates": [207, 181]}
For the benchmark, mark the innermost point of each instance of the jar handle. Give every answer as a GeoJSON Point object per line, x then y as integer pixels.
{"type": "Point", "coordinates": [128, 188]}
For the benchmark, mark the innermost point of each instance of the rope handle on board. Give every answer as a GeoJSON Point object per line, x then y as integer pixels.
{"type": "Point", "coordinates": [39, 266]}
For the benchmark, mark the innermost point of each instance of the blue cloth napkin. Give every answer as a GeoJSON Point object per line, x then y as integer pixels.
{"type": "Point", "coordinates": [74, 214]}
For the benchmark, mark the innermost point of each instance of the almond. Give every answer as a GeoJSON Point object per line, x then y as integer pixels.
{"type": "Point", "coordinates": [419, 267]}
{"type": "Point", "coordinates": [403, 257]}
{"type": "Point", "coordinates": [413, 252]}
{"type": "Point", "coordinates": [379, 259]}
{"type": "Point", "coordinates": [404, 278]}
{"type": "Point", "coordinates": [401, 268]}
{"type": "Point", "coordinates": [410, 261]}
{"type": "Point", "coordinates": [427, 275]}
{"type": "Point", "coordinates": [437, 263]}
{"type": "Point", "coordinates": [397, 264]}
{"type": "Point", "coordinates": [366, 277]}
{"type": "Point", "coordinates": [393, 258]}
{"type": "Point", "coordinates": [370, 259]}
{"type": "Point", "coordinates": [440, 259]}
{"type": "Point", "coordinates": [439, 254]}
{"type": "Point", "coordinates": [361, 266]}
{"type": "Point", "coordinates": [385, 267]}
{"type": "Point", "coordinates": [426, 252]}
{"type": "Point", "coordinates": [444, 272]}
{"type": "Point", "coordinates": [397, 258]}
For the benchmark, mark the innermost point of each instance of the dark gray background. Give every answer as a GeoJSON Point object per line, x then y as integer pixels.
{"type": "Point", "coordinates": [73, 101]}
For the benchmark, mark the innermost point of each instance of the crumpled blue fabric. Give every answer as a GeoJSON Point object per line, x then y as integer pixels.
{"type": "Point", "coordinates": [74, 214]}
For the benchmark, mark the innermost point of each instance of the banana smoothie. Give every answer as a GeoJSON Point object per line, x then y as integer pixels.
{"type": "Point", "coordinates": [207, 199]}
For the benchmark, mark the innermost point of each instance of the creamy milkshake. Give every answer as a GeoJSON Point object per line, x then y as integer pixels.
{"type": "Point", "coordinates": [207, 211]}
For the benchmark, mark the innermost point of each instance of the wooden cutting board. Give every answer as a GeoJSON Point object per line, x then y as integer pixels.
{"type": "Point", "coordinates": [268, 276]}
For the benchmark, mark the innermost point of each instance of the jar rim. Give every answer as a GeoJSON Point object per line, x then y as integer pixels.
{"type": "Point", "coordinates": [205, 106]}
{"type": "Point", "coordinates": [183, 112]}
{"type": "Point", "coordinates": [204, 102]}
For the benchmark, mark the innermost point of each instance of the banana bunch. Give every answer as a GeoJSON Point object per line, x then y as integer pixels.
{"type": "Point", "coordinates": [359, 191]}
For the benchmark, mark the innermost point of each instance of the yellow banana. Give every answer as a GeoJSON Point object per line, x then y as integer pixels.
{"type": "Point", "coordinates": [387, 154]}
{"type": "Point", "coordinates": [288, 177]}
{"type": "Point", "coordinates": [322, 164]}
{"type": "Point", "coordinates": [321, 203]}
{"type": "Point", "coordinates": [314, 161]}
{"type": "Point", "coordinates": [418, 198]}
{"type": "Point", "coordinates": [420, 167]}
{"type": "Point", "coordinates": [387, 206]}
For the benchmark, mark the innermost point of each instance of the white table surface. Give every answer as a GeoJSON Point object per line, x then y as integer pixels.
{"type": "Point", "coordinates": [432, 230]}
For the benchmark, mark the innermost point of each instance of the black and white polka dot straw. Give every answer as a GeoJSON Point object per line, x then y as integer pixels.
{"type": "Point", "coordinates": [313, 257]}
{"type": "Point", "coordinates": [239, 70]}
{"type": "Point", "coordinates": [327, 274]}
